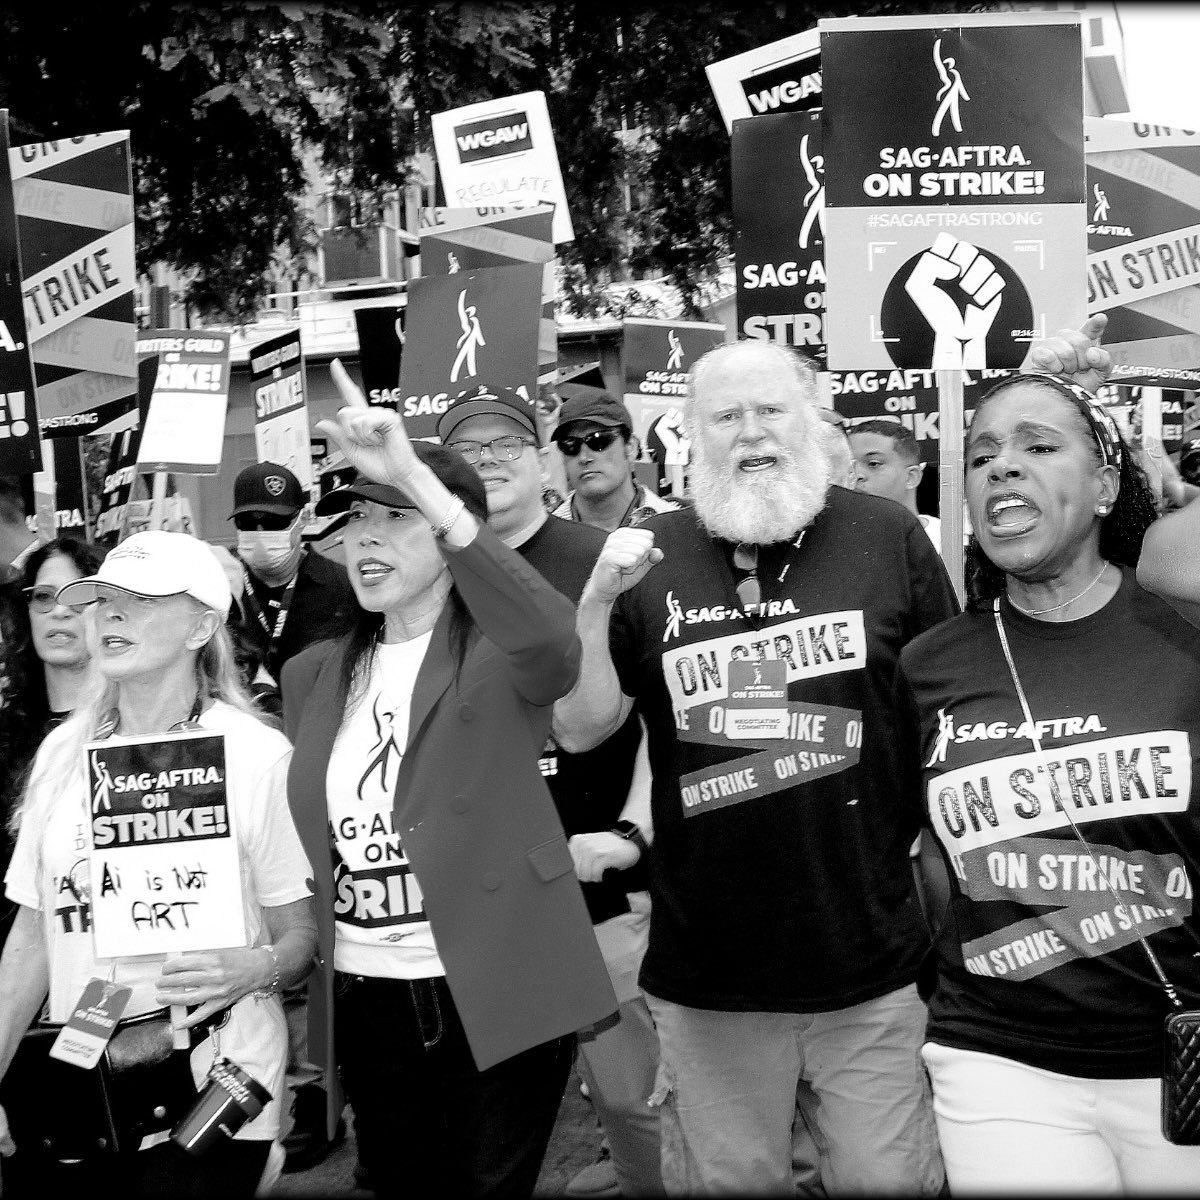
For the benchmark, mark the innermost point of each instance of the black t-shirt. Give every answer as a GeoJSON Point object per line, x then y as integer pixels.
{"type": "Point", "coordinates": [780, 876]}
{"type": "Point", "coordinates": [589, 789]}
{"type": "Point", "coordinates": [1036, 964]}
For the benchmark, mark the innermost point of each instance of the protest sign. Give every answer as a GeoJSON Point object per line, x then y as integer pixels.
{"type": "Point", "coordinates": [74, 203]}
{"type": "Point", "coordinates": [784, 76]}
{"type": "Point", "coordinates": [118, 483]}
{"type": "Point", "coordinates": [955, 216]}
{"type": "Point", "coordinates": [1144, 248]}
{"type": "Point", "coordinates": [656, 364]}
{"type": "Point", "coordinates": [466, 329]}
{"type": "Point", "coordinates": [20, 448]}
{"type": "Point", "coordinates": [503, 237]}
{"type": "Point", "coordinates": [779, 216]}
{"type": "Point", "coordinates": [185, 427]}
{"type": "Point", "coordinates": [909, 396]}
{"type": "Point", "coordinates": [281, 433]}
{"type": "Point", "coordinates": [380, 343]}
{"type": "Point", "coordinates": [502, 152]}
{"type": "Point", "coordinates": [165, 869]}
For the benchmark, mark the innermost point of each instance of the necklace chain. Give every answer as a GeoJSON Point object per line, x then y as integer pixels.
{"type": "Point", "coordinates": [1041, 612]}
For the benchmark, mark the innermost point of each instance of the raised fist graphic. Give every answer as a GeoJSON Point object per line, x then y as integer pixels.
{"type": "Point", "coordinates": [960, 330]}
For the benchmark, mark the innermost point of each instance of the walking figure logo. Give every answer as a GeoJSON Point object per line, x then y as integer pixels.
{"type": "Point", "coordinates": [814, 198]}
{"type": "Point", "coordinates": [452, 259]}
{"type": "Point", "coordinates": [675, 358]}
{"type": "Point", "coordinates": [469, 340]}
{"type": "Point", "coordinates": [1100, 213]}
{"type": "Point", "coordinates": [950, 93]}
{"type": "Point", "coordinates": [101, 797]}
{"type": "Point", "coordinates": [674, 617]}
{"type": "Point", "coordinates": [385, 749]}
{"type": "Point", "coordinates": [945, 736]}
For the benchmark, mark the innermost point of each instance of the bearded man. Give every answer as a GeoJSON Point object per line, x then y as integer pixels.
{"type": "Point", "coordinates": [757, 634]}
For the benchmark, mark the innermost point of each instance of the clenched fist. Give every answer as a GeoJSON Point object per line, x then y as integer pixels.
{"type": "Point", "coordinates": [627, 556]}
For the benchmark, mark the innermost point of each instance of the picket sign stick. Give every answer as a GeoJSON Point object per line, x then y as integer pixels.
{"type": "Point", "coordinates": [1153, 451]}
{"type": "Point", "coordinates": [180, 1038]}
{"type": "Point", "coordinates": [950, 467]}
{"type": "Point", "coordinates": [158, 501]}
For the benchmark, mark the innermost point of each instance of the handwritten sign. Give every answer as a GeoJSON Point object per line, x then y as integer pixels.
{"type": "Point", "coordinates": [165, 870]}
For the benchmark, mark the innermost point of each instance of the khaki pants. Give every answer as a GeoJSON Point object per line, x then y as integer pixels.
{"type": "Point", "coordinates": [727, 1086]}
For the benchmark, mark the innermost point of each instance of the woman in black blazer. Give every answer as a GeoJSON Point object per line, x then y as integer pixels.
{"type": "Point", "coordinates": [456, 955]}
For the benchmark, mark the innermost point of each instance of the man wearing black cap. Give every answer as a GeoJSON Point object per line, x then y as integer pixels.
{"type": "Point", "coordinates": [495, 429]}
{"type": "Point", "coordinates": [595, 436]}
{"type": "Point", "coordinates": [291, 597]}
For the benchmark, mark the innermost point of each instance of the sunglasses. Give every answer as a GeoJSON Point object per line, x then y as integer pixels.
{"type": "Point", "coordinates": [597, 440]}
{"type": "Point", "coordinates": [504, 449]}
{"type": "Point", "coordinates": [42, 599]}
{"type": "Point", "coordinates": [745, 558]}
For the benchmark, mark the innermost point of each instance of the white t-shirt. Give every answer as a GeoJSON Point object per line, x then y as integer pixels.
{"type": "Point", "coordinates": [381, 928]}
{"type": "Point", "coordinates": [46, 875]}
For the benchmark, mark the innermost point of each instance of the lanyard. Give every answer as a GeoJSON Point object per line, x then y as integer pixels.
{"type": "Point", "coordinates": [111, 719]}
{"type": "Point", "coordinates": [284, 605]}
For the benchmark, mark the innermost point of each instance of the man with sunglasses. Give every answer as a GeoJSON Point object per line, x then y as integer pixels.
{"type": "Point", "coordinates": [595, 437]}
{"type": "Point", "coordinates": [496, 430]}
{"type": "Point", "coordinates": [758, 634]}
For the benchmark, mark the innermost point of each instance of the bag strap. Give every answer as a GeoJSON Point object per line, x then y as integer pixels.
{"type": "Point", "coordinates": [1167, 986]}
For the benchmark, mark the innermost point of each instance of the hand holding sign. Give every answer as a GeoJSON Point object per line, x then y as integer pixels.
{"type": "Point", "coordinates": [1077, 353]}
{"type": "Point", "coordinates": [627, 556]}
{"type": "Point", "coordinates": [959, 335]}
{"type": "Point", "coordinates": [213, 979]}
{"type": "Point", "coordinates": [373, 439]}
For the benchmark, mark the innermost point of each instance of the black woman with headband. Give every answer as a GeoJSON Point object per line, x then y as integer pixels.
{"type": "Point", "coordinates": [1057, 723]}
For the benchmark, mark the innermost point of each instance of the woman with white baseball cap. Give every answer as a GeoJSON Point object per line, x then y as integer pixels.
{"type": "Point", "coordinates": [156, 625]}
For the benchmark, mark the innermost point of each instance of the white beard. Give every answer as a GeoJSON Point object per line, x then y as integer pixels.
{"type": "Point", "coordinates": [763, 507]}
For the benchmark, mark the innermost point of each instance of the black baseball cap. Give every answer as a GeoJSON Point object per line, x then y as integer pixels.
{"type": "Point", "coordinates": [484, 400]}
{"type": "Point", "coordinates": [448, 465]}
{"type": "Point", "coordinates": [267, 487]}
{"type": "Point", "coordinates": [583, 403]}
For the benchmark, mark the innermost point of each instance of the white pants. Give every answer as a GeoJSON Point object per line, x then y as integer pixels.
{"type": "Point", "coordinates": [1009, 1128]}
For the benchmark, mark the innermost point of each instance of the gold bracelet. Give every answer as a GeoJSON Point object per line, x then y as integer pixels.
{"type": "Point", "coordinates": [273, 987]}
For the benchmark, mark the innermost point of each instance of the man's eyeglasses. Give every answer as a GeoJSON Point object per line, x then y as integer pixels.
{"type": "Point", "coordinates": [504, 449]}
{"type": "Point", "coordinates": [597, 440]}
{"type": "Point", "coordinates": [41, 599]}
{"type": "Point", "coordinates": [745, 558]}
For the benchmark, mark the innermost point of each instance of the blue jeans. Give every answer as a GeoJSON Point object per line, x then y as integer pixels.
{"type": "Point", "coordinates": [428, 1122]}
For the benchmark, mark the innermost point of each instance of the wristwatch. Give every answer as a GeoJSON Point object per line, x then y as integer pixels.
{"type": "Point", "coordinates": [631, 833]}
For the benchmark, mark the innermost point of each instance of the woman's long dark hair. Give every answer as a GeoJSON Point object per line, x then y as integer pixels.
{"type": "Point", "coordinates": [1121, 531]}
{"type": "Point", "coordinates": [24, 702]}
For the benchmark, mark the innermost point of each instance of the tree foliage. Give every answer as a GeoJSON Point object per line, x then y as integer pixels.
{"type": "Point", "coordinates": [229, 107]}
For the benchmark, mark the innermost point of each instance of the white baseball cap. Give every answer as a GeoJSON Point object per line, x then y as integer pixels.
{"type": "Point", "coordinates": [158, 563]}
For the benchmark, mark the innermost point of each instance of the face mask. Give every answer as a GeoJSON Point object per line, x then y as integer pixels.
{"type": "Point", "coordinates": [270, 554]}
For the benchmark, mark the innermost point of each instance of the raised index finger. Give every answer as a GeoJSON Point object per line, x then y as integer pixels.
{"type": "Point", "coordinates": [351, 394]}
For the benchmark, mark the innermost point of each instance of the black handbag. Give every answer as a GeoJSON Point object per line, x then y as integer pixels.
{"type": "Point", "coordinates": [141, 1085]}
{"type": "Point", "coordinates": [1180, 1094]}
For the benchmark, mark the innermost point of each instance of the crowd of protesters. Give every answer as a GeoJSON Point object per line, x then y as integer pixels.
{"type": "Point", "coordinates": [826, 886]}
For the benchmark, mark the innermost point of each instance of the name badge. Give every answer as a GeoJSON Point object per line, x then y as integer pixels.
{"type": "Point", "coordinates": [757, 703]}
{"type": "Point", "coordinates": [82, 1039]}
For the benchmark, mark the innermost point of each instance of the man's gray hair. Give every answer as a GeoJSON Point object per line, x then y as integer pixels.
{"type": "Point", "coordinates": [791, 362]}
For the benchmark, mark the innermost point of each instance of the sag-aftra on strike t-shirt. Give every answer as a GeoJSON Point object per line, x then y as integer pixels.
{"type": "Point", "coordinates": [780, 874]}
{"type": "Point", "coordinates": [1039, 963]}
